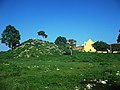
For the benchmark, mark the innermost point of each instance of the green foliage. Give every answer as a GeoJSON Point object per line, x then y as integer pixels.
{"type": "Point", "coordinates": [43, 34]}
{"type": "Point", "coordinates": [101, 46]}
{"type": "Point", "coordinates": [72, 42]}
{"type": "Point", "coordinates": [35, 48]}
{"type": "Point", "coordinates": [61, 40]}
{"type": "Point", "coordinates": [67, 51]}
{"type": "Point", "coordinates": [63, 72]}
{"type": "Point", "coordinates": [115, 47]}
{"type": "Point", "coordinates": [10, 36]}
{"type": "Point", "coordinates": [118, 40]}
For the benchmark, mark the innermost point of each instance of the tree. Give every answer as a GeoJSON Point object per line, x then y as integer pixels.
{"type": "Point", "coordinates": [118, 40]}
{"type": "Point", "coordinates": [115, 47]}
{"type": "Point", "coordinates": [72, 42]}
{"type": "Point", "coordinates": [62, 43]}
{"type": "Point", "coordinates": [10, 36]}
{"type": "Point", "coordinates": [61, 40]}
{"type": "Point", "coordinates": [43, 34]}
{"type": "Point", "coordinates": [101, 46]}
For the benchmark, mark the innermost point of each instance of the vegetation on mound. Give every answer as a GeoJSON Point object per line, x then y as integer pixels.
{"type": "Point", "coordinates": [35, 48]}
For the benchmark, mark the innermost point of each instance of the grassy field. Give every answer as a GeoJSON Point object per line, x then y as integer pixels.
{"type": "Point", "coordinates": [81, 71]}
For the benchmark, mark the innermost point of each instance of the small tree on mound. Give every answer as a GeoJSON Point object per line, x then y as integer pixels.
{"type": "Point", "coordinates": [10, 36]}
{"type": "Point", "coordinates": [43, 34]}
{"type": "Point", "coordinates": [101, 46]}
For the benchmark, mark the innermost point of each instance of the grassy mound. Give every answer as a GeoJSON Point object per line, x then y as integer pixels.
{"type": "Point", "coordinates": [34, 48]}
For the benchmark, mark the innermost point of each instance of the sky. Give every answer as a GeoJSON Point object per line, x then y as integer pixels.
{"type": "Point", "coordinates": [73, 19]}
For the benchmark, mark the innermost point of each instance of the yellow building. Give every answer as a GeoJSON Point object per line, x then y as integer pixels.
{"type": "Point", "coordinates": [88, 46]}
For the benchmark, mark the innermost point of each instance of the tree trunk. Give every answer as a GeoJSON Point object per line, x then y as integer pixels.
{"type": "Point", "coordinates": [11, 46]}
{"type": "Point", "coordinates": [71, 51]}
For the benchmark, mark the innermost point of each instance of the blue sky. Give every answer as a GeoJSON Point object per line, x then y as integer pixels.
{"type": "Point", "coordinates": [76, 19]}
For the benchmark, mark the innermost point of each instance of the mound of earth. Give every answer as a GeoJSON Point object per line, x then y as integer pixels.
{"type": "Point", "coordinates": [36, 48]}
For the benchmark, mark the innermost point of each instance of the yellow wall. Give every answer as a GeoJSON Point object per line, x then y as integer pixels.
{"type": "Point", "coordinates": [88, 46]}
{"type": "Point", "coordinates": [80, 48]}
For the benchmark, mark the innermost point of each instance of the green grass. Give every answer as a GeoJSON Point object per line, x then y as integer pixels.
{"type": "Point", "coordinates": [64, 72]}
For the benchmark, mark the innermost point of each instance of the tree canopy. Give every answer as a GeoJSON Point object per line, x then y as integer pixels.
{"type": "Point", "coordinates": [72, 42]}
{"type": "Point", "coordinates": [61, 40]}
{"type": "Point", "coordinates": [10, 36]}
{"type": "Point", "coordinates": [101, 46]}
{"type": "Point", "coordinates": [43, 34]}
{"type": "Point", "coordinates": [115, 47]}
{"type": "Point", "coordinates": [118, 40]}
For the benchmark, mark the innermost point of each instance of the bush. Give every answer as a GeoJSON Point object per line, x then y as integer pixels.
{"type": "Point", "coordinates": [67, 52]}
